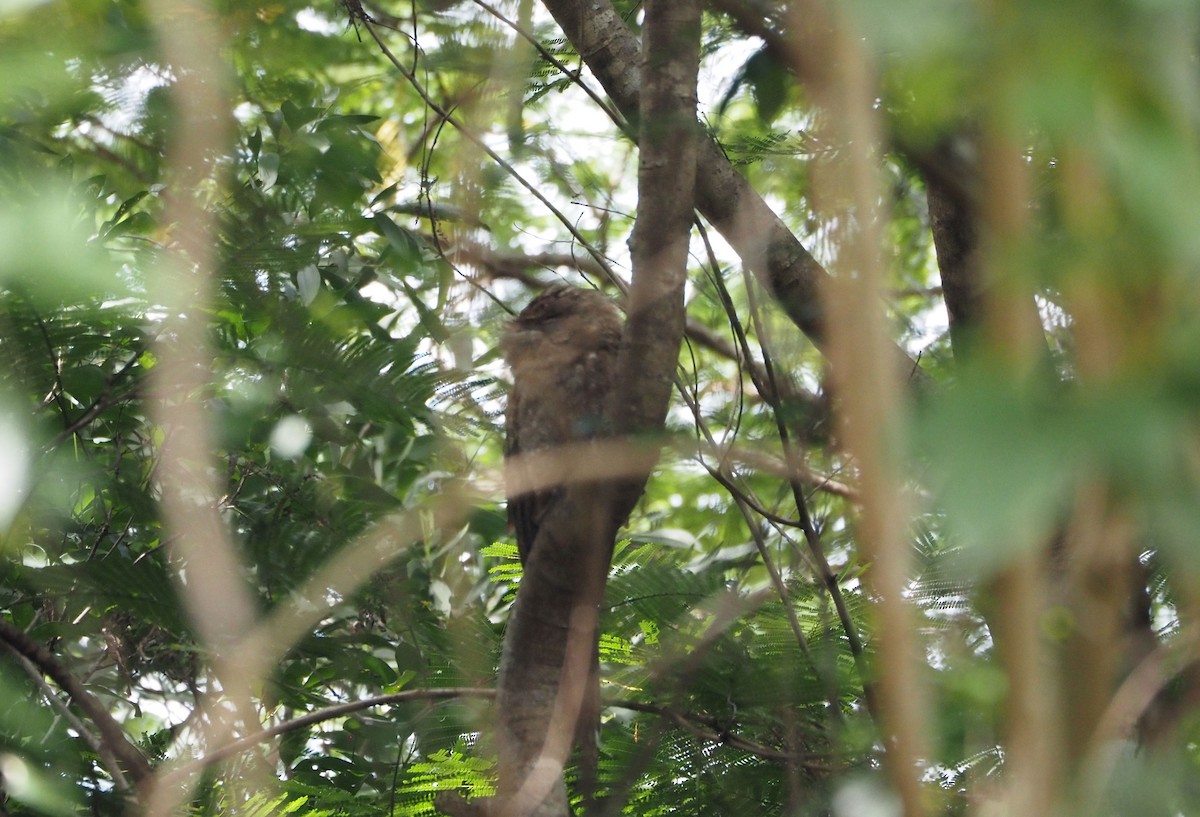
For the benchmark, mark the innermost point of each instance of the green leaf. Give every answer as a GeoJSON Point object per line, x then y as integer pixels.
{"type": "Point", "coordinates": [268, 170]}
{"type": "Point", "coordinates": [48, 252]}
{"type": "Point", "coordinates": [769, 81]}
{"type": "Point", "coordinates": [308, 283]}
{"type": "Point", "coordinates": [32, 786]}
{"type": "Point", "coordinates": [1002, 462]}
{"type": "Point", "coordinates": [85, 383]}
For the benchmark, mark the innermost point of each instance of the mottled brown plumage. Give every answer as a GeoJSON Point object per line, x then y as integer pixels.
{"type": "Point", "coordinates": [562, 350]}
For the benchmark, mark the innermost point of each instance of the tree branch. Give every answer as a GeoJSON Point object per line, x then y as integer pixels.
{"type": "Point", "coordinates": [111, 733]}
{"type": "Point", "coordinates": [471, 137]}
{"type": "Point", "coordinates": [517, 265]}
{"type": "Point", "coordinates": [723, 195]}
{"type": "Point", "coordinates": [329, 713]}
{"type": "Point", "coordinates": [717, 733]}
{"type": "Point", "coordinates": [549, 658]}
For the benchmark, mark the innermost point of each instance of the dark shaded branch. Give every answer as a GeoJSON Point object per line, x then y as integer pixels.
{"type": "Point", "coordinates": [103, 401]}
{"type": "Point", "coordinates": [792, 470]}
{"type": "Point", "coordinates": [549, 659]}
{"type": "Point", "coordinates": [954, 222]}
{"type": "Point", "coordinates": [746, 503]}
{"type": "Point", "coordinates": [86, 734]}
{"type": "Point", "coordinates": [759, 19]}
{"type": "Point", "coordinates": [710, 729]}
{"type": "Point", "coordinates": [111, 733]}
{"type": "Point", "coordinates": [723, 195]}
{"type": "Point", "coordinates": [518, 266]}
{"type": "Point", "coordinates": [330, 713]}
{"type": "Point", "coordinates": [793, 460]}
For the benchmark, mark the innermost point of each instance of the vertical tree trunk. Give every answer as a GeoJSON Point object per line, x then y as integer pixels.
{"type": "Point", "coordinates": [550, 644]}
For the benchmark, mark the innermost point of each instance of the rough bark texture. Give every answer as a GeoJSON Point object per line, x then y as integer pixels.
{"type": "Point", "coordinates": [562, 350]}
{"type": "Point", "coordinates": [550, 644]}
{"type": "Point", "coordinates": [659, 245]}
{"type": "Point", "coordinates": [954, 222]}
{"type": "Point", "coordinates": [726, 199]}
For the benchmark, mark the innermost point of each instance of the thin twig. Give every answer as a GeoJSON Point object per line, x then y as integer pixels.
{"type": "Point", "coordinates": [811, 537]}
{"type": "Point", "coordinates": [610, 274]}
{"type": "Point", "coordinates": [575, 76]}
{"type": "Point", "coordinates": [716, 733]}
{"type": "Point", "coordinates": [103, 400]}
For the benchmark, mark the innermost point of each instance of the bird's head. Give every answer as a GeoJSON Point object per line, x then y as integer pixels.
{"type": "Point", "coordinates": [561, 316]}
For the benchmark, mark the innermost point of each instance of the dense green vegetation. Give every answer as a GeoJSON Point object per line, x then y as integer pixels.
{"type": "Point", "coordinates": [255, 260]}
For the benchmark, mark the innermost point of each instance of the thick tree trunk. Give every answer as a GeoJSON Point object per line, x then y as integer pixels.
{"type": "Point", "coordinates": [547, 671]}
{"type": "Point", "coordinates": [723, 195]}
{"type": "Point", "coordinates": [954, 223]}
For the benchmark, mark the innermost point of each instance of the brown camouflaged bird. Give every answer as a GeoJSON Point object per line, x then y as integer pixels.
{"type": "Point", "coordinates": [562, 350]}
